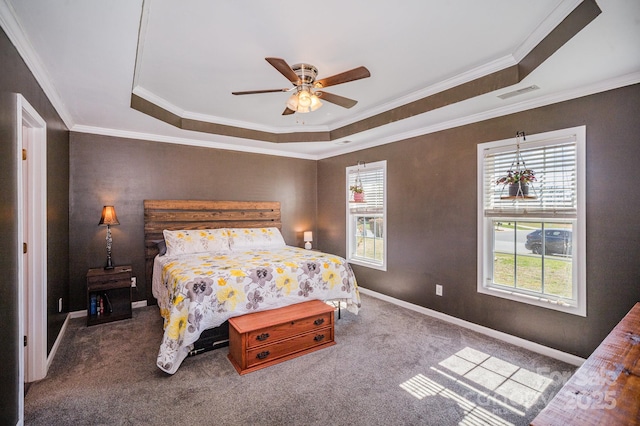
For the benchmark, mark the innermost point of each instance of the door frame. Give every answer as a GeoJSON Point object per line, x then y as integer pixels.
{"type": "Point", "coordinates": [35, 129]}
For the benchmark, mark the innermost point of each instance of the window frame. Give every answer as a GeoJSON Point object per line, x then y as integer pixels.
{"type": "Point", "coordinates": [486, 230]}
{"type": "Point", "coordinates": [350, 250]}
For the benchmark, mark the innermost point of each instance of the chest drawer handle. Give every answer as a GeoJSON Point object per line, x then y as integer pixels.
{"type": "Point", "coordinates": [319, 321]}
{"type": "Point", "coordinates": [262, 355]}
{"type": "Point", "coordinates": [319, 338]}
{"type": "Point", "coordinates": [263, 336]}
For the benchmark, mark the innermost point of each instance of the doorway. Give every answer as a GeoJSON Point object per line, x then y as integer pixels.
{"type": "Point", "coordinates": [31, 149]}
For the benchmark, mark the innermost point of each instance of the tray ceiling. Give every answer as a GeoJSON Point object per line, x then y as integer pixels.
{"type": "Point", "coordinates": [180, 61]}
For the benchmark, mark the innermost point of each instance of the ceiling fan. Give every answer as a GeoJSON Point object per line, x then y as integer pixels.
{"type": "Point", "coordinates": [308, 90]}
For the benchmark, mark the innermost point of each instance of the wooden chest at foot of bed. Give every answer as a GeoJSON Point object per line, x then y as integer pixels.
{"type": "Point", "coordinates": [265, 338]}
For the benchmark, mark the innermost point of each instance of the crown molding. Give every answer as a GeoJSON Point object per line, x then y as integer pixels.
{"type": "Point", "coordinates": [206, 118]}
{"type": "Point", "coordinates": [237, 123]}
{"type": "Point", "coordinates": [157, 100]}
{"type": "Point", "coordinates": [17, 35]}
{"type": "Point", "coordinates": [602, 86]}
{"type": "Point", "coordinates": [12, 27]}
{"type": "Point", "coordinates": [142, 34]}
{"type": "Point", "coordinates": [449, 83]}
{"type": "Point", "coordinates": [127, 134]}
{"type": "Point", "coordinates": [544, 29]}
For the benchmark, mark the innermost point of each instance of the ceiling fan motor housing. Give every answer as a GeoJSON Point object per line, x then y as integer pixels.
{"type": "Point", "coordinates": [307, 73]}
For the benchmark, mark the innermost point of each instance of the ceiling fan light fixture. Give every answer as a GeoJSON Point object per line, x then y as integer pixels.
{"type": "Point", "coordinates": [303, 101]}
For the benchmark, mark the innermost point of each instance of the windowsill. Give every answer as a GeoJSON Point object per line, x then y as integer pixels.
{"type": "Point", "coordinates": [534, 300]}
{"type": "Point", "coordinates": [361, 262]}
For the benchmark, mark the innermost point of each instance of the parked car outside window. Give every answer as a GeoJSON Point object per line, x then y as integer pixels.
{"type": "Point", "coordinates": [556, 241]}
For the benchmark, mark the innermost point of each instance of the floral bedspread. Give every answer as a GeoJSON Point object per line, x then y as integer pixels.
{"type": "Point", "coordinates": [200, 291]}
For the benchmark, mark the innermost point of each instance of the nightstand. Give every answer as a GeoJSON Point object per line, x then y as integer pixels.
{"type": "Point", "coordinates": [108, 294]}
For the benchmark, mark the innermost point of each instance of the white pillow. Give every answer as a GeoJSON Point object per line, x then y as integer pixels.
{"type": "Point", "coordinates": [196, 241]}
{"type": "Point", "coordinates": [255, 238]}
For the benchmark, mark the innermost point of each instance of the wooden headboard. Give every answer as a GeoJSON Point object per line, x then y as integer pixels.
{"type": "Point", "coordinates": [198, 214]}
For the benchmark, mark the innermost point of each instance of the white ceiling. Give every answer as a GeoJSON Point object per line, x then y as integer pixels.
{"type": "Point", "coordinates": [188, 56]}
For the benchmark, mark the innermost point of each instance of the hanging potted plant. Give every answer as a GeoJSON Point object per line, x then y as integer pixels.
{"type": "Point", "coordinates": [518, 181]}
{"type": "Point", "coordinates": [358, 193]}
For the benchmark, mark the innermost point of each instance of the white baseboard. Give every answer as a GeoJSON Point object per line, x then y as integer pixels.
{"type": "Point", "coordinates": [83, 313]}
{"type": "Point", "coordinates": [526, 344]}
{"type": "Point", "coordinates": [139, 304]}
{"type": "Point", "coordinates": [56, 344]}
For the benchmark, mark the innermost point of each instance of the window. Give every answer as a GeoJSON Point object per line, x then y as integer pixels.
{"type": "Point", "coordinates": [367, 219]}
{"type": "Point", "coordinates": [532, 249]}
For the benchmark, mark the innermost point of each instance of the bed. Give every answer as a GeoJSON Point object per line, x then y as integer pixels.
{"type": "Point", "coordinates": [226, 259]}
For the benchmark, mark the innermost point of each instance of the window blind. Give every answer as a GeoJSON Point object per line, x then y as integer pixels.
{"type": "Point", "coordinates": [553, 193]}
{"type": "Point", "coordinates": [372, 179]}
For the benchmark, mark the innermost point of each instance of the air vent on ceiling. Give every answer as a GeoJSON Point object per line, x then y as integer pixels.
{"type": "Point", "coordinates": [518, 92]}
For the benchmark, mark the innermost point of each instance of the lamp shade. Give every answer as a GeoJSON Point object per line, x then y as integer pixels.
{"type": "Point", "coordinates": [308, 236]}
{"type": "Point", "coordinates": [109, 216]}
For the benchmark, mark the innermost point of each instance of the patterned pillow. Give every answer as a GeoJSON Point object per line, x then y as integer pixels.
{"type": "Point", "coordinates": [196, 241]}
{"type": "Point", "coordinates": [255, 238]}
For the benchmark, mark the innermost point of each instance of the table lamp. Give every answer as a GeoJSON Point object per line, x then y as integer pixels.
{"type": "Point", "coordinates": [109, 218]}
{"type": "Point", "coordinates": [308, 237]}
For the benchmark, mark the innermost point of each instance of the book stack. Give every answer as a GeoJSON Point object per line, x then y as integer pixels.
{"type": "Point", "coordinates": [100, 304]}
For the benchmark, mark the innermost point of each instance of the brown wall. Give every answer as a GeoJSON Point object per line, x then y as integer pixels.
{"type": "Point", "coordinates": [124, 172]}
{"type": "Point", "coordinates": [15, 78]}
{"type": "Point", "coordinates": [432, 208]}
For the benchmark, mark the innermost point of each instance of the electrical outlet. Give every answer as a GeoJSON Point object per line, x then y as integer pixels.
{"type": "Point", "coordinates": [438, 290]}
{"type": "Point", "coordinates": [134, 282]}
{"type": "Point", "coordinates": [60, 305]}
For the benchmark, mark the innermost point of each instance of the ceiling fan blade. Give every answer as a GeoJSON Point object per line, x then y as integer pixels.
{"type": "Point", "coordinates": [253, 92]}
{"type": "Point", "coordinates": [336, 99]}
{"type": "Point", "coordinates": [351, 75]}
{"type": "Point", "coordinates": [284, 68]}
{"type": "Point", "coordinates": [288, 111]}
